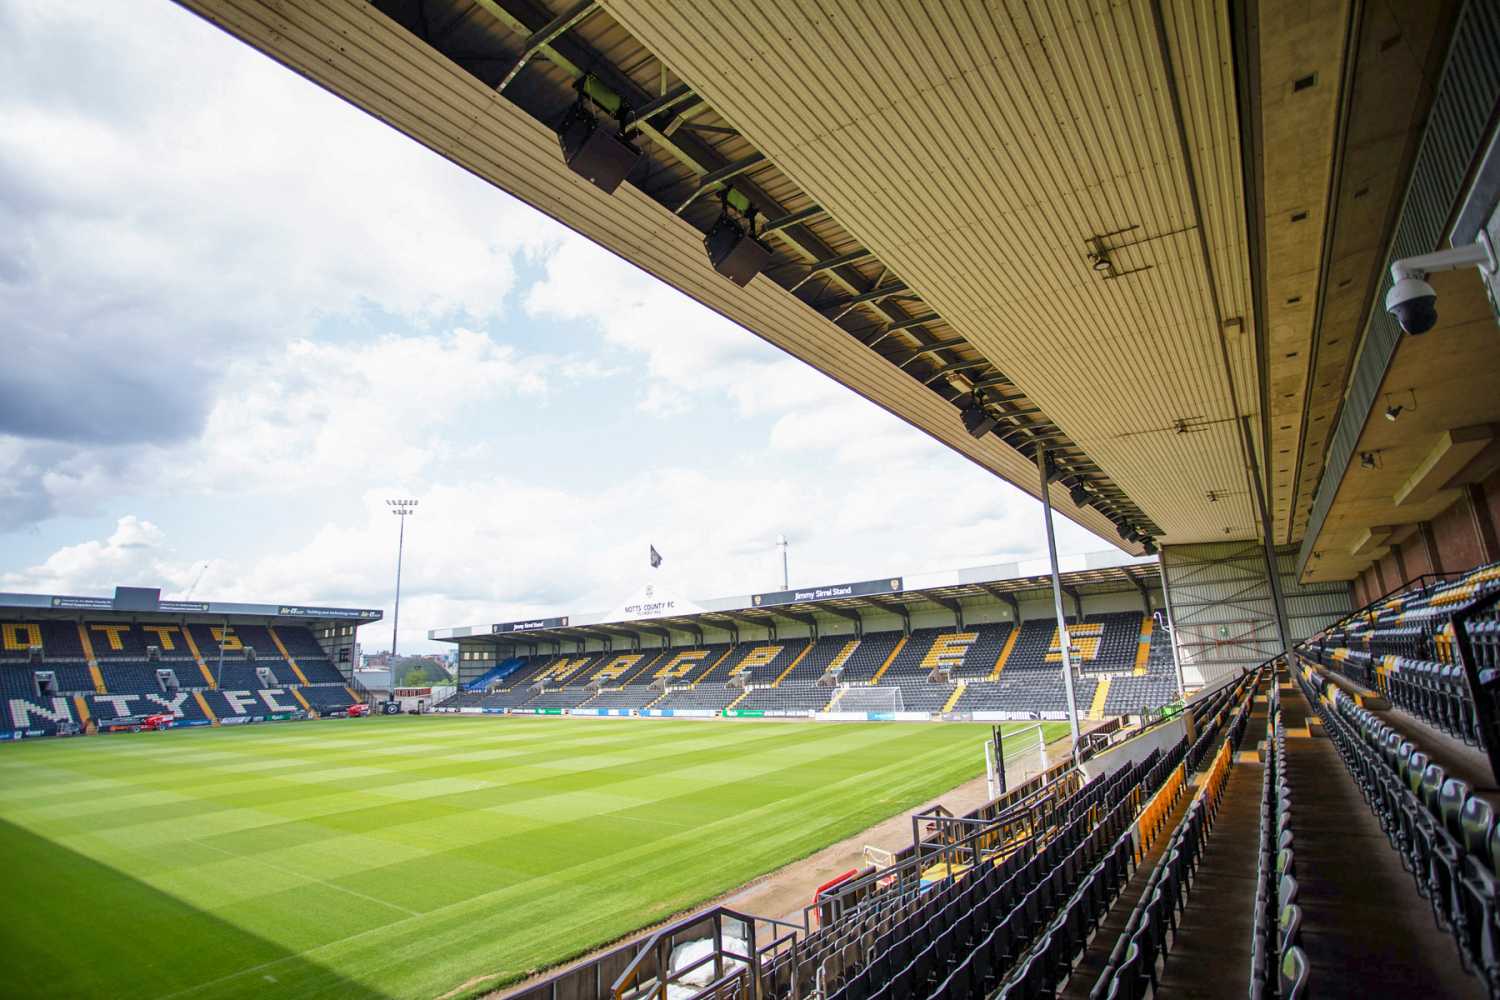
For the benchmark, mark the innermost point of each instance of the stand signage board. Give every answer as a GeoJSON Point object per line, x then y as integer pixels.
{"type": "Point", "coordinates": [864, 588]}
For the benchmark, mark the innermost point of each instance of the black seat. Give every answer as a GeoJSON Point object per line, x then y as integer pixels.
{"type": "Point", "coordinates": [1416, 763]}
{"type": "Point", "coordinates": [1451, 798]}
{"type": "Point", "coordinates": [1476, 820]}
{"type": "Point", "coordinates": [1432, 784]}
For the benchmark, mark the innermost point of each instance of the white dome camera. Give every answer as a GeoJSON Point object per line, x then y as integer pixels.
{"type": "Point", "coordinates": [1412, 301]}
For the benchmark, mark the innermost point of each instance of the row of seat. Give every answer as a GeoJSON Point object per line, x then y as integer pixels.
{"type": "Point", "coordinates": [1406, 648]}
{"type": "Point", "coordinates": [1278, 918]}
{"type": "Point", "coordinates": [64, 640]}
{"type": "Point", "coordinates": [1105, 865]}
{"type": "Point", "coordinates": [1056, 943]}
{"type": "Point", "coordinates": [969, 944]}
{"type": "Point", "coordinates": [1446, 835]}
{"type": "Point", "coordinates": [1132, 969]}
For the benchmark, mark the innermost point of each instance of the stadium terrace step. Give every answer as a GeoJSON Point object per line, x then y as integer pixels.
{"type": "Point", "coordinates": [1361, 914]}
{"type": "Point", "coordinates": [1006, 650]}
{"type": "Point", "coordinates": [958, 692]}
{"type": "Point", "coordinates": [1101, 695]}
{"type": "Point", "coordinates": [1143, 648]}
{"type": "Point", "coordinates": [895, 652]}
{"type": "Point", "coordinates": [1096, 956]}
{"type": "Point", "coordinates": [1212, 942]}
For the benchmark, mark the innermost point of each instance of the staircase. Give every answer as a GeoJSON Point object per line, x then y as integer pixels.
{"type": "Point", "coordinates": [895, 652]}
{"type": "Point", "coordinates": [1010, 644]}
{"type": "Point", "coordinates": [1143, 651]}
{"type": "Point", "coordinates": [795, 660]}
{"type": "Point", "coordinates": [1101, 695]}
{"type": "Point", "coordinates": [958, 692]}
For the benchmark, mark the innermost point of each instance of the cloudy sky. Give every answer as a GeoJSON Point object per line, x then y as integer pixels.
{"type": "Point", "coordinates": [237, 315]}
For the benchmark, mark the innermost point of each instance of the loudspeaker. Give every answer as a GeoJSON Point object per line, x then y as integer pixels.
{"type": "Point", "coordinates": [598, 155]}
{"type": "Point", "coordinates": [734, 253]}
{"type": "Point", "coordinates": [977, 422]}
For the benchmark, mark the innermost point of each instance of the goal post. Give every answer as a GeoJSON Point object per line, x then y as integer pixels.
{"type": "Point", "coordinates": [1016, 746]}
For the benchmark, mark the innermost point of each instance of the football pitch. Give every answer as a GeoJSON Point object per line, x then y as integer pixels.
{"type": "Point", "coordinates": [406, 858]}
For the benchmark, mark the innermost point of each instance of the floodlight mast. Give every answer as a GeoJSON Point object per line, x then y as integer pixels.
{"type": "Point", "coordinates": [402, 509]}
{"type": "Point", "coordinates": [785, 579]}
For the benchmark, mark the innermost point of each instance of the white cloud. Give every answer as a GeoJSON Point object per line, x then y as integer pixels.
{"type": "Point", "coordinates": [691, 353]}
{"type": "Point", "coordinates": [502, 548]}
{"type": "Point", "coordinates": [164, 220]}
{"type": "Point", "coordinates": [135, 553]}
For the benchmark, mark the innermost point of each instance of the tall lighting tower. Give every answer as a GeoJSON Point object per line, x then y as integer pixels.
{"type": "Point", "coordinates": [402, 509]}
{"type": "Point", "coordinates": [785, 579]}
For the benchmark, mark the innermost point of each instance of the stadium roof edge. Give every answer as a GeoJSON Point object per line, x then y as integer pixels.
{"type": "Point", "coordinates": [1086, 570]}
{"type": "Point", "coordinates": [138, 600]}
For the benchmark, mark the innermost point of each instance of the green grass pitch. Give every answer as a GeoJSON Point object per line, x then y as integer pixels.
{"type": "Point", "coordinates": [404, 857]}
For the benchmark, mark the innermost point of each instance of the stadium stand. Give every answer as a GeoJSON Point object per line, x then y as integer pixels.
{"type": "Point", "coordinates": [1013, 918]}
{"type": "Point", "coordinates": [986, 667]}
{"type": "Point", "coordinates": [102, 671]}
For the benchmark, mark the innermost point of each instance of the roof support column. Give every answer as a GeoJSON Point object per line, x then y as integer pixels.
{"type": "Point", "coordinates": [1166, 598]}
{"type": "Point", "coordinates": [1043, 464]}
{"type": "Point", "coordinates": [1273, 575]}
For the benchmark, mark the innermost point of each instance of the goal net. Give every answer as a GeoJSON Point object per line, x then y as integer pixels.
{"type": "Point", "coordinates": [884, 698]}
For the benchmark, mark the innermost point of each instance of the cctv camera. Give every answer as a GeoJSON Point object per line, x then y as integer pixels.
{"type": "Point", "coordinates": [1413, 303]}
{"type": "Point", "coordinates": [1411, 300]}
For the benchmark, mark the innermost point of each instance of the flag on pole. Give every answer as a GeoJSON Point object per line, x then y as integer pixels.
{"type": "Point", "coordinates": [655, 557]}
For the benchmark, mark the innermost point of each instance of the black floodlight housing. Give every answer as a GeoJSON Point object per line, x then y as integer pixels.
{"type": "Point", "coordinates": [732, 247]}
{"type": "Point", "coordinates": [976, 420]}
{"type": "Point", "coordinates": [597, 151]}
{"type": "Point", "coordinates": [1148, 545]}
{"type": "Point", "coordinates": [1079, 494]}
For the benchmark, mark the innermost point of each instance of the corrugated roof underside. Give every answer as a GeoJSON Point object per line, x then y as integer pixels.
{"type": "Point", "coordinates": [976, 148]}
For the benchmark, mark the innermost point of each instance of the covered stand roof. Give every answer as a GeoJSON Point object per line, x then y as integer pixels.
{"type": "Point", "coordinates": [148, 602]}
{"type": "Point", "coordinates": [889, 596]}
{"type": "Point", "coordinates": [1150, 236]}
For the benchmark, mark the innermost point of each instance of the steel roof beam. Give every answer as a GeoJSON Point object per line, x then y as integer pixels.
{"type": "Point", "coordinates": [793, 218]}
{"type": "Point", "coordinates": [715, 178]}
{"type": "Point", "coordinates": [848, 614]}
{"type": "Point", "coordinates": [798, 617]}
{"type": "Point", "coordinates": [873, 295]}
{"type": "Point", "coordinates": [677, 95]}
{"type": "Point", "coordinates": [543, 36]}
{"type": "Point", "coordinates": [959, 366]}
{"type": "Point", "coordinates": [903, 358]}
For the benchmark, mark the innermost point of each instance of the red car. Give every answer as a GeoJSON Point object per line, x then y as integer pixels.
{"type": "Point", "coordinates": [357, 710]}
{"type": "Point", "coordinates": [158, 722]}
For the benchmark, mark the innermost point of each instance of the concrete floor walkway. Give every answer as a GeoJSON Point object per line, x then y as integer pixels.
{"type": "Point", "coordinates": [1365, 929]}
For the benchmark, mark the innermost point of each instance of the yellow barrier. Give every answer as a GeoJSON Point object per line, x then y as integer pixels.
{"type": "Point", "coordinates": [1154, 816]}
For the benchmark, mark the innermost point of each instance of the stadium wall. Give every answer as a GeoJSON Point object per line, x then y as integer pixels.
{"type": "Point", "coordinates": [1457, 540]}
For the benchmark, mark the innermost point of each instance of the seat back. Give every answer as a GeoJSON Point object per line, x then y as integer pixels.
{"type": "Point", "coordinates": [1289, 923]}
{"type": "Point", "coordinates": [1416, 763]}
{"type": "Point", "coordinates": [1286, 890]}
{"type": "Point", "coordinates": [1432, 783]}
{"type": "Point", "coordinates": [1293, 974]}
{"type": "Point", "coordinates": [1451, 799]}
{"type": "Point", "coordinates": [1476, 820]}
